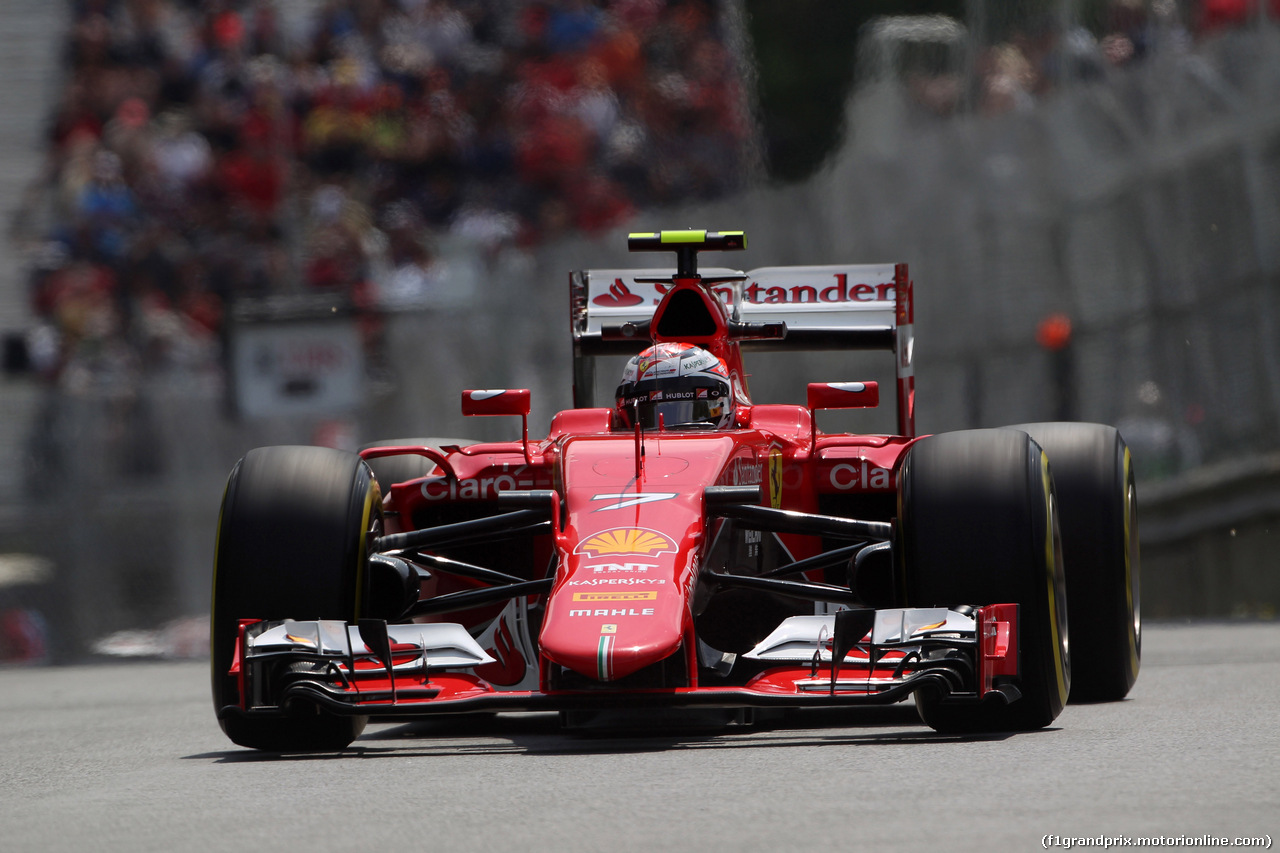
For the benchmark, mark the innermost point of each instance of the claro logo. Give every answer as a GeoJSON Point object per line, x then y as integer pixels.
{"type": "Point", "coordinates": [476, 488]}
{"type": "Point", "coordinates": [861, 476]}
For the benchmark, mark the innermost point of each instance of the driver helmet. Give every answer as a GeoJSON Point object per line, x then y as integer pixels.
{"type": "Point", "coordinates": [675, 385]}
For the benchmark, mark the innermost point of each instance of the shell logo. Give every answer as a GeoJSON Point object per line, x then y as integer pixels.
{"type": "Point", "coordinates": [625, 540]}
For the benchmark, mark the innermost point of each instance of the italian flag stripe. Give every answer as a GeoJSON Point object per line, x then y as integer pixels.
{"type": "Point", "coordinates": [603, 653]}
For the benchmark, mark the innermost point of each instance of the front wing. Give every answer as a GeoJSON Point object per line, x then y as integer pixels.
{"type": "Point", "coordinates": [375, 669]}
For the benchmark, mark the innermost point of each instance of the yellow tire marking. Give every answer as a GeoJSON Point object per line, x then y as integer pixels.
{"type": "Point", "coordinates": [363, 544]}
{"type": "Point", "coordinates": [1051, 563]}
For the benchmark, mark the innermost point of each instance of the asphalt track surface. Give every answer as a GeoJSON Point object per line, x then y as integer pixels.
{"type": "Point", "coordinates": [127, 757]}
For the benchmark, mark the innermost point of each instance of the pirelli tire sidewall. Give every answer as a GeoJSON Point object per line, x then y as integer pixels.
{"type": "Point", "coordinates": [294, 537]}
{"type": "Point", "coordinates": [1097, 505]}
{"type": "Point", "coordinates": [978, 525]}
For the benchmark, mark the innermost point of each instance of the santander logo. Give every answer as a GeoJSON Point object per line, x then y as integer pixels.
{"type": "Point", "coordinates": [834, 290]}
{"type": "Point", "coordinates": [619, 296]}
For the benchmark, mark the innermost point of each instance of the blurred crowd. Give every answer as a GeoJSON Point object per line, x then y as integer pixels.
{"type": "Point", "coordinates": [1031, 59]}
{"type": "Point", "coordinates": [206, 150]}
{"type": "Point", "coordinates": [202, 151]}
{"type": "Point", "coordinates": [1036, 60]}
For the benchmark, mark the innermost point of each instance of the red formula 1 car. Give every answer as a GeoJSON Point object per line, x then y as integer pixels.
{"type": "Point", "coordinates": [683, 548]}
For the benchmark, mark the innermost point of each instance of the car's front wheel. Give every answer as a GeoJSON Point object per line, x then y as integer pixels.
{"type": "Point", "coordinates": [293, 542]}
{"type": "Point", "coordinates": [979, 525]}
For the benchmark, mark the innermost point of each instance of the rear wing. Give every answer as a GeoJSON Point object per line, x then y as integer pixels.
{"type": "Point", "coordinates": [836, 307]}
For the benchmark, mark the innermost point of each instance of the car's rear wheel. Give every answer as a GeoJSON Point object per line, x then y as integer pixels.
{"type": "Point", "coordinates": [293, 542]}
{"type": "Point", "coordinates": [1097, 502]}
{"type": "Point", "coordinates": [977, 526]}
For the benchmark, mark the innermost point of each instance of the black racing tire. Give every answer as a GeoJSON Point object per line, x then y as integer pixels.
{"type": "Point", "coordinates": [390, 470]}
{"type": "Point", "coordinates": [978, 525]}
{"type": "Point", "coordinates": [1097, 504]}
{"type": "Point", "coordinates": [294, 537]}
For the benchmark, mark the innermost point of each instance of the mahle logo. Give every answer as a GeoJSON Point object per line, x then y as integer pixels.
{"type": "Point", "coordinates": [626, 540]}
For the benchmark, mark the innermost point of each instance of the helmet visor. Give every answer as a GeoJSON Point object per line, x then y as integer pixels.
{"type": "Point", "coordinates": [677, 414]}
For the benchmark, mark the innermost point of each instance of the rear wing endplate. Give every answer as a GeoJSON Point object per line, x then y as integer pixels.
{"type": "Point", "coordinates": [835, 307]}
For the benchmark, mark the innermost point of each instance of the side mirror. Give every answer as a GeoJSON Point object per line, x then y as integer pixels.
{"type": "Point", "coordinates": [501, 401]}
{"type": "Point", "coordinates": [843, 395]}
{"type": "Point", "coordinates": [840, 395]}
{"type": "Point", "coordinates": [514, 401]}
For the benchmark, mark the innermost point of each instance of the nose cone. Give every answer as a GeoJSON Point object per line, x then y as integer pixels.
{"type": "Point", "coordinates": [620, 604]}
{"type": "Point", "coordinates": [629, 552]}
{"type": "Point", "coordinates": [607, 630]}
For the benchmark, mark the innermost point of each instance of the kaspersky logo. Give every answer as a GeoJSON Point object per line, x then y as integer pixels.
{"type": "Point", "coordinates": [626, 541]}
